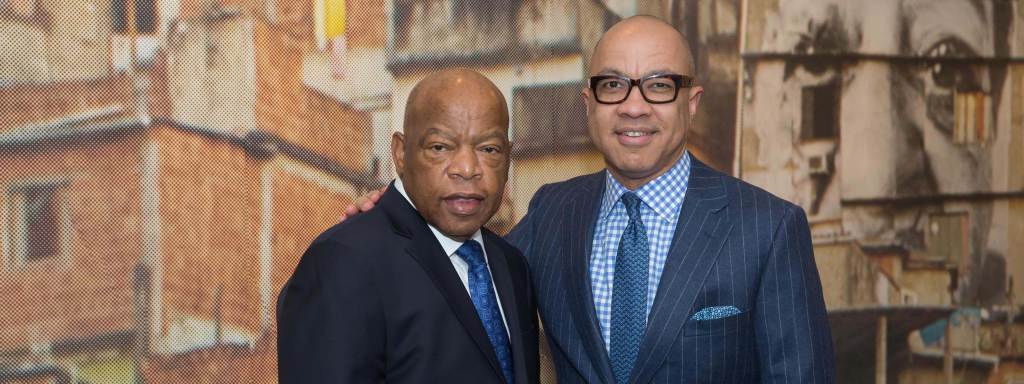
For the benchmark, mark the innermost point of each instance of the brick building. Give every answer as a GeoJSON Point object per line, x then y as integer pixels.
{"type": "Point", "coordinates": [152, 212]}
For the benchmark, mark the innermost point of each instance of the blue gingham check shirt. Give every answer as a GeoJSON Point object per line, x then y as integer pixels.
{"type": "Point", "coordinates": [662, 199]}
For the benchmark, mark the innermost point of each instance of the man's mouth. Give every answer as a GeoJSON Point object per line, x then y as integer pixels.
{"type": "Point", "coordinates": [463, 204]}
{"type": "Point", "coordinates": [635, 137]}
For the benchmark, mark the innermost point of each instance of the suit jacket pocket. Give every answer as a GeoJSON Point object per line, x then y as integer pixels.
{"type": "Point", "coordinates": [722, 326]}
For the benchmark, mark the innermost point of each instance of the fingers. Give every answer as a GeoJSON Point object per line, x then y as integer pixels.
{"type": "Point", "coordinates": [350, 210]}
{"type": "Point", "coordinates": [363, 203]}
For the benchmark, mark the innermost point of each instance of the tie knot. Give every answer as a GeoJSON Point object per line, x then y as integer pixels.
{"type": "Point", "coordinates": [470, 252]}
{"type": "Point", "coordinates": [632, 202]}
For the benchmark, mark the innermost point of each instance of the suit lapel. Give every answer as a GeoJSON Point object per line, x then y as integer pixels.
{"type": "Point", "coordinates": [582, 212]}
{"type": "Point", "coordinates": [425, 248]}
{"type": "Point", "coordinates": [699, 236]}
{"type": "Point", "coordinates": [502, 276]}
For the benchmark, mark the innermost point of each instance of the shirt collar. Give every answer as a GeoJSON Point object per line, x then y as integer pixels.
{"type": "Point", "coordinates": [448, 244]}
{"type": "Point", "coordinates": [664, 195]}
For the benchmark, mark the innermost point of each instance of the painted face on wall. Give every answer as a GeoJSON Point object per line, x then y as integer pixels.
{"type": "Point", "coordinates": [921, 111]}
{"type": "Point", "coordinates": [928, 121]}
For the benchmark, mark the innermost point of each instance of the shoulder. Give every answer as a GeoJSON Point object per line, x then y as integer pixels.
{"type": "Point", "coordinates": [559, 191]}
{"type": "Point", "coordinates": [760, 213]}
{"type": "Point", "coordinates": [744, 198]}
{"type": "Point", "coordinates": [359, 236]}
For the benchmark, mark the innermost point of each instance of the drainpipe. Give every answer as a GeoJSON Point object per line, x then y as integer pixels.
{"type": "Point", "coordinates": [737, 149]}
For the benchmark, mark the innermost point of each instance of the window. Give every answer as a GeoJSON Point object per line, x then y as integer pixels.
{"type": "Point", "coordinates": [972, 113]}
{"type": "Point", "coordinates": [548, 119]}
{"type": "Point", "coordinates": [37, 223]}
{"type": "Point", "coordinates": [820, 111]}
{"type": "Point", "coordinates": [145, 16]}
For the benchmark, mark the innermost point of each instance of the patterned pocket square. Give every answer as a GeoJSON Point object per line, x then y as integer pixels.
{"type": "Point", "coordinates": [713, 313]}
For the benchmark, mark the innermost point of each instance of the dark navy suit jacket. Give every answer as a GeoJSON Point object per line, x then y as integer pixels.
{"type": "Point", "coordinates": [375, 299]}
{"type": "Point", "coordinates": [735, 245]}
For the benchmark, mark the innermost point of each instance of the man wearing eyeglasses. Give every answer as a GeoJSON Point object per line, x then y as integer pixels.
{"type": "Point", "coordinates": [660, 269]}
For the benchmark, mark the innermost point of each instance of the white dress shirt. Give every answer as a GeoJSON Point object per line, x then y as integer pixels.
{"type": "Point", "coordinates": [450, 246]}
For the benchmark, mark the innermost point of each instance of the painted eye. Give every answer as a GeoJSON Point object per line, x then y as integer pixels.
{"type": "Point", "coordinates": [947, 74]}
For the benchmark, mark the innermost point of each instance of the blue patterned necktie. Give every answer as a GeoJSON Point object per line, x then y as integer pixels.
{"type": "Point", "coordinates": [486, 303]}
{"type": "Point", "coordinates": [629, 292]}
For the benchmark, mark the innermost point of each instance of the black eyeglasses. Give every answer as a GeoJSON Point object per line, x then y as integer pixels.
{"type": "Point", "coordinates": [656, 89]}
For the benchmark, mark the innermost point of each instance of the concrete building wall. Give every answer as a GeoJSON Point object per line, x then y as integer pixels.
{"type": "Point", "coordinates": [831, 260]}
{"type": "Point", "coordinates": [61, 40]}
{"type": "Point", "coordinates": [1015, 261]}
{"type": "Point", "coordinates": [78, 38]}
{"type": "Point", "coordinates": [930, 287]}
{"type": "Point", "coordinates": [850, 278]}
{"type": "Point", "coordinates": [24, 52]}
{"type": "Point", "coordinates": [212, 74]}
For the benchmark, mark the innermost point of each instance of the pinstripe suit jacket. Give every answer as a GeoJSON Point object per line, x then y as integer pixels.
{"type": "Point", "coordinates": [735, 245]}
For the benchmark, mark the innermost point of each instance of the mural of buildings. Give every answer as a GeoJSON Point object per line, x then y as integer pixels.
{"type": "Point", "coordinates": [157, 195]}
{"type": "Point", "coordinates": [899, 132]}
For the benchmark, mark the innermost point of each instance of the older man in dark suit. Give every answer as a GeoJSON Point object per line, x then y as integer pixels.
{"type": "Point", "coordinates": [416, 291]}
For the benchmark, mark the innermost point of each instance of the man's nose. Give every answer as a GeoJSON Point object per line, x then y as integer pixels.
{"type": "Point", "coordinates": [634, 106]}
{"type": "Point", "coordinates": [465, 164]}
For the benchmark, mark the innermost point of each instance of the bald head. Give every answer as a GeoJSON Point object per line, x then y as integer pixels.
{"type": "Point", "coordinates": [457, 90]}
{"type": "Point", "coordinates": [643, 28]}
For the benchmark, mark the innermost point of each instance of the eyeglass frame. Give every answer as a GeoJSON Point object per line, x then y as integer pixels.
{"type": "Point", "coordinates": [681, 82]}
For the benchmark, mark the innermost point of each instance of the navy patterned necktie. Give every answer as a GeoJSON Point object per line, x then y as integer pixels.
{"type": "Point", "coordinates": [629, 292]}
{"type": "Point", "coordinates": [486, 303]}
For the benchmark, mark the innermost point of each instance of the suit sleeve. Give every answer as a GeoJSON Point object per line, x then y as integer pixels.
{"type": "Point", "coordinates": [794, 339]}
{"type": "Point", "coordinates": [330, 323]}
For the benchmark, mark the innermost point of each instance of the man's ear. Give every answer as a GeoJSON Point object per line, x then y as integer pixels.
{"type": "Point", "coordinates": [398, 152]}
{"type": "Point", "coordinates": [694, 100]}
{"type": "Point", "coordinates": [586, 100]}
